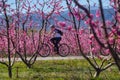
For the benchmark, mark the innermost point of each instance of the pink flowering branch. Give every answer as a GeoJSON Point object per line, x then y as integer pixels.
{"type": "Point", "coordinates": [112, 50]}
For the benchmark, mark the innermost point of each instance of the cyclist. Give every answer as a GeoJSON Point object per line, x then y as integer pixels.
{"type": "Point", "coordinates": [56, 37]}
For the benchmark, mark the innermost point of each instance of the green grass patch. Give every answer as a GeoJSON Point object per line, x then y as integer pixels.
{"type": "Point", "coordinates": [57, 70]}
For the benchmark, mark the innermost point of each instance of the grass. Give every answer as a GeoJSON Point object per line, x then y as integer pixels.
{"type": "Point", "coordinates": [57, 70]}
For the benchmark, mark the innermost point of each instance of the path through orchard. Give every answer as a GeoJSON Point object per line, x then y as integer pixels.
{"type": "Point", "coordinates": [54, 58]}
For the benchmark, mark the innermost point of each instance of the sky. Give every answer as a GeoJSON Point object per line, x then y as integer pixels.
{"type": "Point", "coordinates": [105, 2]}
{"type": "Point", "coordinates": [92, 2]}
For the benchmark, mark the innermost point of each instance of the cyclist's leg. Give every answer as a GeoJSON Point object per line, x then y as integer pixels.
{"type": "Point", "coordinates": [53, 40]}
{"type": "Point", "coordinates": [58, 39]}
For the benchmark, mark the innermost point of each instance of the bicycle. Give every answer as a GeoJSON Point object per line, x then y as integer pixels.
{"type": "Point", "coordinates": [47, 47]}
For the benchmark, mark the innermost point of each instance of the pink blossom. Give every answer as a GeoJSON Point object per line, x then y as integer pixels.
{"type": "Point", "coordinates": [82, 15]}
{"type": "Point", "coordinates": [93, 50]}
{"type": "Point", "coordinates": [87, 21]}
{"type": "Point", "coordinates": [77, 15]}
{"type": "Point", "coordinates": [62, 24]}
{"type": "Point", "coordinates": [91, 36]}
{"type": "Point", "coordinates": [69, 28]}
{"type": "Point", "coordinates": [94, 24]}
{"type": "Point", "coordinates": [113, 30]}
{"type": "Point", "coordinates": [57, 12]}
{"type": "Point", "coordinates": [118, 32]}
{"type": "Point", "coordinates": [90, 42]}
{"type": "Point", "coordinates": [78, 18]}
{"type": "Point", "coordinates": [111, 40]}
{"type": "Point", "coordinates": [107, 51]}
{"type": "Point", "coordinates": [112, 0]}
{"type": "Point", "coordinates": [99, 32]}
{"type": "Point", "coordinates": [81, 31]}
{"type": "Point", "coordinates": [118, 18]}
{"type": "Point", "coordinates": [98, 13]}
{"type": "Point", "coordinates": [108, 23]}
{"type": "Point", "coordinates": [91, 15]}
{"type": "Point", "coordinates": [59, 8]}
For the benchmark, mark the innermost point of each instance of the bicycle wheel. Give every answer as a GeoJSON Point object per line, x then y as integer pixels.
{"type": "Point", "coordinates": [44, 50]}
{"type": "Point", "coordinates": [63, 50]}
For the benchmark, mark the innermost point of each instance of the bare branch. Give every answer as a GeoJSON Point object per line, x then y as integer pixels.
{"type": "Point", "coordinates": [4, 63]}
{"type": "Point", "coordinates": [109, 65]}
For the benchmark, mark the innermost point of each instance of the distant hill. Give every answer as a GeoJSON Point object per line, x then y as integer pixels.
{"type": "Point", "coordinates": [109, 12]}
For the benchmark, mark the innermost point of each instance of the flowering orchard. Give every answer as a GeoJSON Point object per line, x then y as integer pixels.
{"type": "Point", "coordinates": [25, 27]}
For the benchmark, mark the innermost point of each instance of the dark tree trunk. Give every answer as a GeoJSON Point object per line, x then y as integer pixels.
{"type": "Point", "coordinates": [10, 71]}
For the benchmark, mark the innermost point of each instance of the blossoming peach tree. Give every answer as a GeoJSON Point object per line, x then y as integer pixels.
{"type": "Point", "coordinates": [20, 34]}
{"type": "Point", "coordinates": [98, 36]}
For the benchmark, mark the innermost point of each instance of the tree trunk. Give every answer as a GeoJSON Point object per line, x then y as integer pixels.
{"type": "Point", "coordinates": [10, 71]}
{"type": "Point", "coordinates": [97, 73]}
